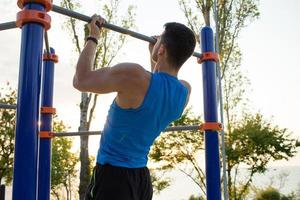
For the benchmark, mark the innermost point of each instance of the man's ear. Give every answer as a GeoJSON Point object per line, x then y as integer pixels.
{"type": "Point", "coordinates": [161, 49]}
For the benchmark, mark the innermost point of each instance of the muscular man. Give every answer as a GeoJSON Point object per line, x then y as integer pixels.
{"type": "Point", "coordinates": [146, 103]}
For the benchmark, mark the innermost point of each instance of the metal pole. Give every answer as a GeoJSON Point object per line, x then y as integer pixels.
{"type": "Point", "coordinates": [212, 159]}
{"type": "Point", "coordinates": [44, 178]}
{"type": "Point", "coordinates": [87, 19]}
{"type": "Point", "coordinates": [224, 158]}
{"type": "Point", "coordinates": [6, 106]}
{"type": "Point", "coordinates": [26, 140]}
{"type": "Point", "coordinates": [79, 16]}
{"type": "Point", "coordinates": [7, 25]}
{"type": "Point", "coordinates": [169, 129]}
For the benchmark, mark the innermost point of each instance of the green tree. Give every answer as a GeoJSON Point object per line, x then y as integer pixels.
{"type": "Point", "coordinates": [233, 16]}
{"type": "Point", "coordinates": [271, 193]}
{"type": "Point", "coordinates": [63, 160]}
{"type": "Point", "coordinates": [159, 181]}
{"type": "Point", "coordinates": [7, 130]}
{"type": "Point", "coordinates": [109, 46]}
{"type": "Point", "coordinates": [178, 150]}
{"type": "Point", "coordinates": [255, 142]}
{"type": "Point", "coordinates": [63, 166]}
{"type": "Point", "coordinates": [268, 194]}
{"type": "Point", "coordinates": [196, 198]}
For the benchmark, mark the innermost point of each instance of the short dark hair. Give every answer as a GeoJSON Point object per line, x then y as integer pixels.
{"type": "Point", "coordinates": [180, 43]}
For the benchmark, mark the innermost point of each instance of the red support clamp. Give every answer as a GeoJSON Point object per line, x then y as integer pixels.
{"type": "Point", "coordinates": [48, 110]}
{"type": "Point", "coordinates": [51, 57]}
{"type": "Point", "coordinates": [27, 16]}
{"type": "Point", "coordinates": [46, 134]}
{"type": "Point", "coordinates": [211, 126]}
{"type": "Point", "coordinates": [211, 56]}
{"type": "Point", "coordinates": [46, 3]}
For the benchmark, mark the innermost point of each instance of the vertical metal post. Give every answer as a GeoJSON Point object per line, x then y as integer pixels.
{"type": "Point", "coordinates": [220, 100]}
{"type": "Point", "coordinates": [212, 159]}
{"type": "Point", "coordinates": [44, 178]}
{"type": "Point", "coordinates": [26, 138]}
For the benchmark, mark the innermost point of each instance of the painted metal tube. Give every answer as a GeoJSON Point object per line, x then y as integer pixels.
{"type": "Point", "coordinates": [220, 100]}
{"type": "Point", "coordinates": [6, 106]}
{"type": "Point", "coordinates": [212, 158]}
{"type": "Point", "coordinates": [44, 178]}
{"type": "Point", "coordinates": [169, 129]}
{"type": "Point", "coordinates": [26, 140]}
{"type": "Point", "coordinates": [85, 18]}
{"type": "Point", "coordinates": [7, 25]}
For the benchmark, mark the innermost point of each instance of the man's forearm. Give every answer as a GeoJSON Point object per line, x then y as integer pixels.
{"type": "Point", "coordinates": [152, 63]}
{"type": "Point", "coordinates": [86, 59]}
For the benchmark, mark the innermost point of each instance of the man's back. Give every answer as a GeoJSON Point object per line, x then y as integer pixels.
{"type": "Point", "coordinates": [129, 133]}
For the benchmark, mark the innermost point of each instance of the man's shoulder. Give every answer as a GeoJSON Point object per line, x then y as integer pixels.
{"type": "Point", "coordinates": [131, 70]}
{"type": "Point", "coordinates": [186, 84]}
{"type": "Point", "coordinates": [129, 67]}
{"type": "Point", "coordinates": [133, 75]}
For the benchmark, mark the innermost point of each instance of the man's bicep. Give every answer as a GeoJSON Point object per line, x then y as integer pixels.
{"type": "Point", "coordinates": [104, 80]}
{"type": "Point", "coordinates": [109, 79]}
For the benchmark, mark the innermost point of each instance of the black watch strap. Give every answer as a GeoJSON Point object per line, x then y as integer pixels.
{"type": "Point", "coordinates": [92, 39]}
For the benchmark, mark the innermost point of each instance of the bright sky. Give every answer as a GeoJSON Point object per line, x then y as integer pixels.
{"type": "Point", "coordinates": [269, 46]}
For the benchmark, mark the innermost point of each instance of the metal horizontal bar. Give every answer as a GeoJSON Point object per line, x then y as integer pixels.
{"type": "Point", "coordinates": [87, 19]}
{"type": "Point", "coordinates": [85, 133]}
{"type": "Point", "coordinates": [7, 25]}
{"type": "Point", "coordinates": [182, 128]}
{"type": "Point", "coordinates": [6, 106]}
{"type": "Point", "coordinates": [81, 133]}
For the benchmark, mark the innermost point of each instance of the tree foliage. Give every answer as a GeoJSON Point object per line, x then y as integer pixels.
{"type": "Point", "coordinates": [255, 142]}
{"type": "Point", "coordinates": [63, 160]}
{"type": "Point", "coordinates": [233, 16]}
{"type": "Point", "coordinates": [268, 194]}
{"type": "Point", "coordinates": [196, 198]}
{"type": "Point", "coordinates": [271, 193]}
{"type": "Point", "coordinates": [179, 150]}
{"type": "Point", "coordinates": [7, 130]}
{"type": "Point", "coordinates": [63, 166]}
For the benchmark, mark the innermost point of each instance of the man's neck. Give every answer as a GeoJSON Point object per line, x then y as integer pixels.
{"type": "Point", "coordinates": [166, 68]}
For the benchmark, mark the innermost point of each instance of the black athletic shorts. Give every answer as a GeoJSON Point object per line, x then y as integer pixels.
{"type": "Point", "coordinates": [119, 183]}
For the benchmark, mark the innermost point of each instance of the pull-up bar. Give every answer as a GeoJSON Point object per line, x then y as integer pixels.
{"type": "Point", "coordinates": [79, 16]}
{"type": "Point", "coordinates": [7, 25]}
{"type": "Point", "coordinates": [85, 133]}
{"type": "Point", "coordinates": [7, 106]}
{"type": "Point", "coordinates": [85, 18]}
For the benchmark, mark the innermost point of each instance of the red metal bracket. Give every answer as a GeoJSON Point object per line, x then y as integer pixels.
{"type": "Point", "coordinates": [211, 126]}
{"type": "Point", "coordinates": [211, 56]}
{"type": "Point", "coordinates": [48, 110]}
{"type": "Point", "coordinates": [27, 16]}
{"type": "Point", "coordinates": [46, 134]}
{"type": "Point", "coordinates": [51, 57]}
{"type": "Point", "coordinates": [46, 3]}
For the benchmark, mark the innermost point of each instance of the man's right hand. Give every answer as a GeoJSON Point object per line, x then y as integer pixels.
{"type": "Point", "coordinates": [93, 28]}
{"type": "Point", "coordinates": [151, 45]}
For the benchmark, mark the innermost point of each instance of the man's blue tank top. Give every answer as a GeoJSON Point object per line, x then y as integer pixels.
{"type": "Point", "coordinates": [129, 133]}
